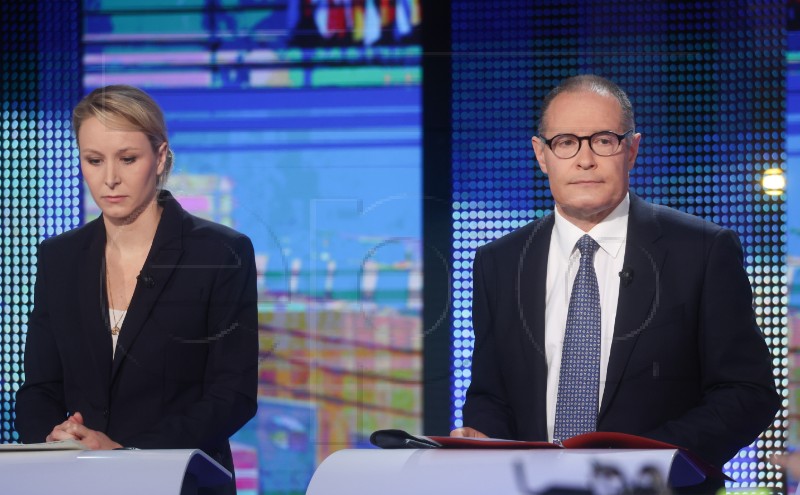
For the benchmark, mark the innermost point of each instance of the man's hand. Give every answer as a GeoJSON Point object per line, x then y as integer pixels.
{"type": "Point", "coordinates": [73, 429]}
{"type": "Point", "coordinates": [467, 432]}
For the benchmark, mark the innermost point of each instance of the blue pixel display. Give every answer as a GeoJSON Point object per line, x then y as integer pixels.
{"type": "Point", "coordinates": [707, 82]}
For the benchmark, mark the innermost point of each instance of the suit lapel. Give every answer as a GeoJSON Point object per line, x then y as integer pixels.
{"type": "Point", "coordinates": [644, 257]}
{"type": "Point", "coordinates": [165, 253]}
{"type": "Point", "coordinates": [532, 286]}
{"type": "Point", "coordinates": [93, 306]}
{"type": "Point", "coordinates": [532, 293]}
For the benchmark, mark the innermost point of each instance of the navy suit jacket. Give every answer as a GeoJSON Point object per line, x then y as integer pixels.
{"type": "Point", "coordinates": [185, 370]}
{"type": "Point", "coordinates": [688, 363]}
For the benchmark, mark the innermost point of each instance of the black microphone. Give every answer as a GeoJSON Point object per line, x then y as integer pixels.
{"type": "Point", "coordinates": [626, 276]}
{"type": "Point", "coordinates": [146, 279]}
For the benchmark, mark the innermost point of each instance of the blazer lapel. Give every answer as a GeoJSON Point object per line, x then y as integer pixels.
{"type": "Point", "coordinates": [638, 299]}
{"type": "Point", "coordinates": [93, 306]}
{"type": "Point", "coordinates": [532, 286]}
{"type": "Point", "coordinates": [164, 255]}
{"type": "Point", "coordinates": [531, 291]}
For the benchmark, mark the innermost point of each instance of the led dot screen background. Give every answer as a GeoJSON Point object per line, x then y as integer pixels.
{"type": "Point", "coordinates": [707, 84]}
{"type": "Point", "coordinates": [40, 178]}
{"type": "Point", "coordinates": [706, 80]}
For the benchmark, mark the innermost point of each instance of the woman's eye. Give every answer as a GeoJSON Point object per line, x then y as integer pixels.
{"type": "Point", "coordinates": [128, 159]}
{"type": "Point", "coordinates": [93, 161]}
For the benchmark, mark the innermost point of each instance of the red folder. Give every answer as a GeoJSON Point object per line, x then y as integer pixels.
{"type": "Point", "coordinates": [399, 439]}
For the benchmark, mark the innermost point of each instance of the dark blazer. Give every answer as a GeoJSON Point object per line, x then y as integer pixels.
{"type": "Point", "coordinates": [688, 363]}
{"type": "Point", "coordinates": [185, 370]}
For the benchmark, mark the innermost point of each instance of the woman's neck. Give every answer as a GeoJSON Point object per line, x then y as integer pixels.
{"type": "Point", "coordinates": [135, 234]}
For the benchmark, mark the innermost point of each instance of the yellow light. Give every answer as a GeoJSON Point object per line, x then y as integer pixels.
{"type": "Point", "coordinates": [773, 181]}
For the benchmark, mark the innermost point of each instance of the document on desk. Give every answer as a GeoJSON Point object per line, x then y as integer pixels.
{"type": "Point", "coordinates": [37, 447]}
{"type": "Point", "coordinates": [399, 439]}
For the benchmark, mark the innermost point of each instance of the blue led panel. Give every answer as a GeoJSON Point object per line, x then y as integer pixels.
{"type": "Point", "coordinates": [707, 81]}
{"type": "Point", "coordinates": [40, 189]}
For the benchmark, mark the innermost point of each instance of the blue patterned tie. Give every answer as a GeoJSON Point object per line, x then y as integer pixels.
{"type": "Point", "coordinates": [579, 381]}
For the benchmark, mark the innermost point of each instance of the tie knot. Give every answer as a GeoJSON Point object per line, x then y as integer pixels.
{"type": "Point", "coordinates": [587, 246]}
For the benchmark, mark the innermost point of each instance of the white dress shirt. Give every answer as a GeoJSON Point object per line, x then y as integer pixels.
{"type": "Point", "coordinates": [562, 267]}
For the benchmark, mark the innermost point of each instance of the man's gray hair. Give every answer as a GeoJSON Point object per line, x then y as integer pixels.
{"type": "Point", "coordinates": [594, 84]}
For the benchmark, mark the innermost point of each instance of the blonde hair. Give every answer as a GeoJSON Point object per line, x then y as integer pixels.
{"type": "Point", "coordinates": [130, 108]}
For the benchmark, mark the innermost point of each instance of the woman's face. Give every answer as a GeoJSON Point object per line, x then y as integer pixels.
{"type": "Point", "coordinates": [121, 169]}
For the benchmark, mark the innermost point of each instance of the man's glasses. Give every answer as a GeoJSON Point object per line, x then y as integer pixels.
{"type": "Point", "coordinates": [604, 143]}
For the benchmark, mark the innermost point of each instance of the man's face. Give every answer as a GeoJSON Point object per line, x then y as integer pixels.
{"type": "Point", "coordinates": [586, 187]}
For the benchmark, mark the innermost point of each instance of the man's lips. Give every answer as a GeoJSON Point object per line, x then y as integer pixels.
{"type": "Point", "coordinates": [586, 181]}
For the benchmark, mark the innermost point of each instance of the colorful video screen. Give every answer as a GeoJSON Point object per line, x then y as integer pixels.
{"type": "Point", "coordinates": [297, 123]}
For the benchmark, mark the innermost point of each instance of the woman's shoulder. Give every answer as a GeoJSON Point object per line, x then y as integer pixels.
{"type": "Point", "coordinates": [191, 227]}
{"type": "Point", "coordinates": [76, 238]}
{"type": "Point", "coordinates": [198, 226]}
{"type": "Point", "coordinates": [211, 238]}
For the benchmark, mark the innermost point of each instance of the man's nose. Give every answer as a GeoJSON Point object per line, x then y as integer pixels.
{"type": "Point", "coordinates": [586, 158]}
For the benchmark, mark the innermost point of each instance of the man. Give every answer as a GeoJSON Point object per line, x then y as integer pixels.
{"type": "Point", "coordinates": [675, 352]}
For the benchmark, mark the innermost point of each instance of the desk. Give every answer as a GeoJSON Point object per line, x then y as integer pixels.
{"type": "Point", "coordinates": [101, 472]}
{"type": "Point", "coordinates": [482, 471]}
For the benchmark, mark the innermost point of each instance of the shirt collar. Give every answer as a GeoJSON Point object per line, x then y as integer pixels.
{"type": "Point", "coordinates": [610, 233]}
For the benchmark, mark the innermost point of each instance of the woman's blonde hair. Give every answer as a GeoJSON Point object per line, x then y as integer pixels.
{"type": "Point", "coordinates": [127, 108]}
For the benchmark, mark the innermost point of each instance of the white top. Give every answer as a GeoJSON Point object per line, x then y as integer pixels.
{"type": "Point", "coordinates": [562, 267]}
{"type": "Point", "coordinates": [115, 316]}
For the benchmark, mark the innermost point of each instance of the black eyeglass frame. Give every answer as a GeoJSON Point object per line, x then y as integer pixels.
{"type": "Point", "coordinates": [620, 137]}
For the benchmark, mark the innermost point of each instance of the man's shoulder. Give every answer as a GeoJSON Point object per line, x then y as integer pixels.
{"type": "Point", "coordinates": [672, 220]}
{"type": "Point", "coordinates": [523, 237]}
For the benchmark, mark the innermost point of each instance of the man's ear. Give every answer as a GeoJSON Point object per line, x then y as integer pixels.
{"type": "Point", "coordinates": [633, 150]}
{"type": "Point", "coordinates": [538, 149]}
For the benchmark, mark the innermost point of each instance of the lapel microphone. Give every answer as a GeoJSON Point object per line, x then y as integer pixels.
{"type": "Point", "coordinates": [626, 276]}
{"type": "Point", "coordinates": [150, 282]}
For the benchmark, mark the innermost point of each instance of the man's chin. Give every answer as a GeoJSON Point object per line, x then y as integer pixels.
{"type": "Point", "coordinates": [587, 211]}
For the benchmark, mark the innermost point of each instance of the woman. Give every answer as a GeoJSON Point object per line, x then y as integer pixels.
{"type": "Point", "coordinates": [144, 327]}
